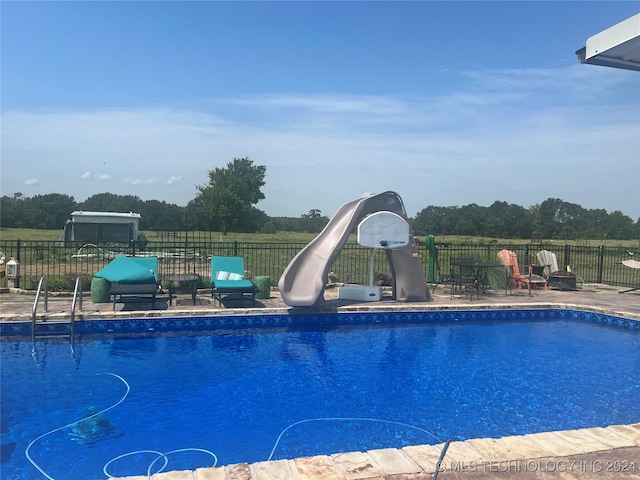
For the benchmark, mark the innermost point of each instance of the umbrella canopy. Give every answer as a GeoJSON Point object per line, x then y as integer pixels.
{"type": "Point", "coordinates": [123, 269]}
{"type": "Point", "coordinates": [631, 263]}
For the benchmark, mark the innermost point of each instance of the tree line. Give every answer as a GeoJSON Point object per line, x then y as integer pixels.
{"type": "Point", "coordinates": [227, 203]}
{"type": "Point", "coordinates": [553, 219]}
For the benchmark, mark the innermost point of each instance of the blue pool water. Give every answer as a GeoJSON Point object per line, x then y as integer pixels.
{"type": "Point", "coordinates": [277, 387]}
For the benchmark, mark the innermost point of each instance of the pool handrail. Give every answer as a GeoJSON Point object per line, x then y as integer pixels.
{"type": "Point", "coordinates": [77, 293]}
{"type": "Point", "coordinates": [41, 283]}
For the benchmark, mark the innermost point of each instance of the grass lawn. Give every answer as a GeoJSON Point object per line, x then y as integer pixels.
{"type": "Point", "coordinates": [34, 234]}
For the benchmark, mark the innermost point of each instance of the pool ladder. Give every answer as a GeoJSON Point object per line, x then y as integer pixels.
{"type": "Point", "coordinates": [55, 328]}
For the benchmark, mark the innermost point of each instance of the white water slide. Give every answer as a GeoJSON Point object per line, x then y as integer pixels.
{"type": "Point", "coordinates": [303, 282]}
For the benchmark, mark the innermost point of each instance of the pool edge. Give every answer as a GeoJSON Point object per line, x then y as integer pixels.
{"type": "Point", "coordinates": [545, 454]}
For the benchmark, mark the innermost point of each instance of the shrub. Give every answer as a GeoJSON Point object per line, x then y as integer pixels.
{"type": "Point", "coordinates": [142, 242]}
{"type": "Point", "coordinates": [55, 284]}
{"type": "Point", "coordinates": [69, 282]}
{"type": "Point", "coordinates": [382, 279]}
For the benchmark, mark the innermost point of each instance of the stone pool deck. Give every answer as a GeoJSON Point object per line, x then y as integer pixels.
{"type": "Point", "coordinates": [593, 453]}
{"type": "Point", "coordinates": [16, 304]}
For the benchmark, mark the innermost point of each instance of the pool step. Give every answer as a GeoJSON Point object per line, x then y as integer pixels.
{"type": "Point", "coordinates": [52, 328]}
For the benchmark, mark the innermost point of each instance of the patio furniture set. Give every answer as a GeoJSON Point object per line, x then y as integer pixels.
{"type": "Point", "coordinates": [138, 276]}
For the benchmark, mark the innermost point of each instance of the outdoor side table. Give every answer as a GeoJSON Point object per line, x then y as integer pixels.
{"type": "Point", "coordinates": [193, 279]}
{"type": "Point", "coordinates": [562, 281]}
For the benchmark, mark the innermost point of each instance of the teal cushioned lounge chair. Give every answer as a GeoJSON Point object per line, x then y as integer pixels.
{"type": "Point", "coordinates": [131, 276]}
{"type": "Point", "coordinates": [227, 278]}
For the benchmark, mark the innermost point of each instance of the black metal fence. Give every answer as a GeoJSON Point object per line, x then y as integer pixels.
{"type": "Point", "coordinates": [62, 262]}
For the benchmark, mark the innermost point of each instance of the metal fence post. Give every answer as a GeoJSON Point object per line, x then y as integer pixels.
{"type": "Point", "coordinates": [186, 249]}
{"type": "Point", "coordinates": [600, 263]}
{"type": "Point", "coordinates": [18, 259]}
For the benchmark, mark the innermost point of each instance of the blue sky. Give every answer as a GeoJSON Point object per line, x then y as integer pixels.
{"type": "Point", "coordinates": [446, 103]}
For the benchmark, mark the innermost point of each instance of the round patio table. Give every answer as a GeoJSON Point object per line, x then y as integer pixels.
{"type": "Point", "coordinates": [193, 279]}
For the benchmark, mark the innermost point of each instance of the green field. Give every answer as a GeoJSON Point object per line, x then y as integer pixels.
{"type": "Point", "coordinates": [32, 234]}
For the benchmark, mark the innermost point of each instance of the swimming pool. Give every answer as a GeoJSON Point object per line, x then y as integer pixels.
{"type": "Point", "coordinates": [244, 389]}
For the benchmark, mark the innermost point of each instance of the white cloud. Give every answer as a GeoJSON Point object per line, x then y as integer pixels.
{"type": "Point", "coordinates": [31, 182]}
{"type": "Point", "coordinates": [141, 181]}
{"type": "Point", "coordinates": [574, 78]}
{"type": "Point", "coordinates": [99, 176]}
{"type": "Point", "coordinates": [326, 103]}
{"type": "Point", "coordinates": [152, 180]}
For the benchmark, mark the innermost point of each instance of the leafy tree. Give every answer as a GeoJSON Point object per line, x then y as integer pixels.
{"type": "Point", "coordinates": [497, 219]}
{"type": "Point", "coordinates": [508, 221]}
{"type": "Point", "coordinates": [551, 217]}
{"type": "Point", "coordinates": [194, 213]}
{"type": "Point", "coordinates": [434, 220]}
{"type": "Point", "coordinates": [566, 220]}
{"type": "Point", "coordinates": [157, 215]}
{"type": "Point", "coordinates": [110, 202]}
{"type": "Point", "coordinates": [12, 211]}
{"type": "Point", "coordinates": [620, 226]}
{"type": "Point", "coordinates": [534, 216]}
{"type": "Point", "coordinates": [313, 222]}
{"type": "Point", "coordinates": [471, 220]}
{"type": "Point", "coordinates": [227, 200]}
{"type": "Point", "coordinates": [572, 218]}
{"type": "Point", "coordinates": [258, 218]}
{"type": "Point", "coordinates": [50, 211]}
{"type": "Point", "coordinates": [519, 221]}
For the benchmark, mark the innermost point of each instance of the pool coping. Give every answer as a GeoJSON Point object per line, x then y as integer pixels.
{"type": "Point", "coordinates": [544, 455]}
{"type": "Point", "coordinates": [143, 323]}
{"type": "Point", "coordinates": [397, 307]}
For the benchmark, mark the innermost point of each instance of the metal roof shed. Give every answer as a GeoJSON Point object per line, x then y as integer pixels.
{"type": "Point", "coordinates": [96, 227]}
{"type": "Point", "coordinates": [617, 46]}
